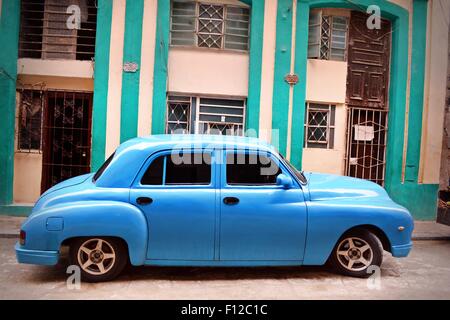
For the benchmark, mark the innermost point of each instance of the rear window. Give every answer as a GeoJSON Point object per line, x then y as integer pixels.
{"type": "Point", "coordinates": [103, 168]}
{"type": "Point", "coordinates": [195, 169]}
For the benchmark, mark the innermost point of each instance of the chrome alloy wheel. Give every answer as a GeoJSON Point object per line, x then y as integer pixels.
{"type": "Point", "coordinates": [354, 254]}
{"type": "Point", "coordinates": [96, 256]}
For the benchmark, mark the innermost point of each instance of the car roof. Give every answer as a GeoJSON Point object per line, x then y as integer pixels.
{"type": "Point", "coordinates": [131, 155]}
{"type": "Point", "coordinates": [174, 140]}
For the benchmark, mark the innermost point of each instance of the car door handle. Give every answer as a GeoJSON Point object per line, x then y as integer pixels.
{"type": "Point", "coordinates": [144, 200]}
{"type": "Point", "coordinates": [230, 200]}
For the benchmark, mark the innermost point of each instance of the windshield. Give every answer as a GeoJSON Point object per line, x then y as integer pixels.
{"type": "Point", "coordinates": [102, 168]}
{"type": "Point", "coordinates": [298, 174]}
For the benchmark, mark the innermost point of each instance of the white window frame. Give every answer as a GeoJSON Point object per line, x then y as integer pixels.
{"type": "Point", "coordinates": [193, 125]}
{"type": "Point", "coordinates": [320, 41]}
{"type": "Point", "coordinates": [223, 33]}
{"type": "Point", "coordinates": [330, 128]}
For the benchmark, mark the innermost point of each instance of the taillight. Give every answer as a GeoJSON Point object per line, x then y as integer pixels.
{"type": "Point", "coordinates": [22, 237]}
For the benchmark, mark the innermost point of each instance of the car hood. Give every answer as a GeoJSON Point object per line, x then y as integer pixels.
{"type": "Point", "coordinates": [328, 186]}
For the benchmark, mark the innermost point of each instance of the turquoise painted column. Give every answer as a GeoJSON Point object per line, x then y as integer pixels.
{"type": "Point", "coordinates": [419, 43]}
{"type": "Point", "coordinates": [255, 64]}
{"type": "Point", "coordinates": [130, 80]}
{"type": "Point", "coordinates": [160, 70]}
{"type": "Point", "coordinates": [280, 104]}
{"type": "Point", "coordinates": [301, 61]}
{"type": "Point", "coordinates": [101, 77]}
{"type": "Point", "coordinates": [9, 38]}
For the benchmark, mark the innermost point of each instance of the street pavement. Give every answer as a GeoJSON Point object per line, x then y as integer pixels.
{"type": "Point", "coordinates": [425, 274]}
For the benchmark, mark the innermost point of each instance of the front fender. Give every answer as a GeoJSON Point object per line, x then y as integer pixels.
{"type": "Point", "coordinates": [329, 220]}
{"type": "Point", "coordinates": [88, 218]}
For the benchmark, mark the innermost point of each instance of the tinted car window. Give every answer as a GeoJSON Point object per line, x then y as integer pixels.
{"type": "Point", "coordinates": [251, 169]}
{"type": "Point", "coordinates": [188, 169]}
{"type": "Point", "coordinates": [154, 173]}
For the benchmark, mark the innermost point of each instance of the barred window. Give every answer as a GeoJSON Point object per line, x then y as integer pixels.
{"type": "Point", "coordinates": [203, 115]}
{"type": "Point", "coordinates": [319, 125]}
{"type": "Point", "coordinates": [178, 114]}
{"type": "Point", "coordinates": [327, 37]}
{"type": "Point", "coordinates": [46, 32]}
{"type": "Point", "coordinates": [209, 25]}
{"type": "Point", "coordinates": [29, 122]}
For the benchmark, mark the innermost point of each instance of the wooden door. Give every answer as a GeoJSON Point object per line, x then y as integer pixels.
{"type": "Point", "coordinates": [367, 98]}
{"type": "Point", "coordinates": [368, 63]}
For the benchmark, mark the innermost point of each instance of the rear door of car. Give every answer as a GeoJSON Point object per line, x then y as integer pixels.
{"type": "Point", "coordinates": [177, 192]}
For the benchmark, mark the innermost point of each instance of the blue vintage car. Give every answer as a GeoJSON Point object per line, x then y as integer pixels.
{"type": "Point", "coordinates": [190, 200]}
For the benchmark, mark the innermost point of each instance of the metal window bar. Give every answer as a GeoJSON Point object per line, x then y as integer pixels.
{"type": "Point", "coordinates": [67, 134]}
{"type": "Point", "coordinates": [366, 144]}
{"type": "Point", "coordinates": [327, 37]}
{"type": "Point", "coordinates": [178, 115]}
{"type": "Point", "coordinates": [319, 125]}
{"type": "Point", "coordinates": [29, 121]}
{"type": "Point", "coordinates": [220, 116]}
{"type": "Point", "coordinates": [209, 25]}
{"type": "Point", "coordinates": [44, 33]}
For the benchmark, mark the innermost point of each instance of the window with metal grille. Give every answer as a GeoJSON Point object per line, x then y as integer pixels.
{"type": "Point", "coordinates": [29, 122]}
{"type": "Point", "coordinates": [319, 125]}
{"type": "Point", "coordinates": [203, 115]}
{"type": "Point", "coordinates": [48, 29]}
{"type": "Point", "coordinates": [327, 37]}
{"type": "Point", "coordinates": [209, 25]}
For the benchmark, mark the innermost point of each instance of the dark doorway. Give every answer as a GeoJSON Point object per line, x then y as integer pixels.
{"type": "Point", "coordinates": [67, 136]}
{"type": "Point", "coordinates": [367, 98]}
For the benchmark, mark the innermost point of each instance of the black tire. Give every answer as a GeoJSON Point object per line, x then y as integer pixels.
{"type": "Point", "coordinates": [361, 260]}
{"type": "Point", "coordinates": [112, 267]}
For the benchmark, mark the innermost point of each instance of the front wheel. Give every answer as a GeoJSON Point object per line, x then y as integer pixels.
{"type": "Point", "coordinates": [355, 252]}
{"type": "Point", "coordinates": [99, 258]}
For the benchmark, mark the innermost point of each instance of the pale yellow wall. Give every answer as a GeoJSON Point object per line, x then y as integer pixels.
{"type": "Point", "coordinates": [267, 71]}
{"type": "Point", "coordinates": [435, 91]}
{"type": "Point", "coordinates": [27, 177]}
{"type": "Point", "coordinates": [406, 4]}
{"type": "Point", "coordinates": [57, 68]}
{"type": "Point", "coordinates": [208, 71]}
{"type": "Point", "coordinates": [146, 68]}
{"type": "Point", "coordinates": [326, 81]}
{"type": "Point", "coordinates": [115, 77]}
{"type": "Point", "coordinates": [329, 160]}
{"type": "Point", "coordinates": [27, 172]}
{"type": "Point", "coordinates": [58, 83]}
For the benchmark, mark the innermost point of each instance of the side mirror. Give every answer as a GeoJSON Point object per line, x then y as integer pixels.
{"type": "Point", "coordinates": [284, 181]}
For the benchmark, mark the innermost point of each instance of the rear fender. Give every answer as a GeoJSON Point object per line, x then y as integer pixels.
{"type": "Point", "coordinates": [87, 219]}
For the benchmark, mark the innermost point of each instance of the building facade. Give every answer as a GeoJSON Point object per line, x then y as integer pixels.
{"type": "Point", "coordinates": [334, 87]}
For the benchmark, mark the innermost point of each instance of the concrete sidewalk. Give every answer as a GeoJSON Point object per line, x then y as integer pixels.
{"type": "Point", "coordinates": [424, 230]}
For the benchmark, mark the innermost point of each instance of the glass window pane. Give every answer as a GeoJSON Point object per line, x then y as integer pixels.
{"type": "Point", "coordinates": [154, 173]}
{"type": "Point", "coordinates": [251, 169]}
{"type": "Point", "coordinates": [192, 168]}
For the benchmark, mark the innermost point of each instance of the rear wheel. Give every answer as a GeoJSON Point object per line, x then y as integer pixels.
{"type": "Point", "coordinates": [355, 252]}
{"type": "Point", "coordinates": [99, 258]}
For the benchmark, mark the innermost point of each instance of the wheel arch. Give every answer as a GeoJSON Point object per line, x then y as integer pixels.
{"type": "Point", "coordinates": [378, 232]}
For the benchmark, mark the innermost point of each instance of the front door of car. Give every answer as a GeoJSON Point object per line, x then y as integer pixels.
{"type": "Point", "coordinates": [260, 220]}
{"type": "Point", "coordinates": [177, 192]}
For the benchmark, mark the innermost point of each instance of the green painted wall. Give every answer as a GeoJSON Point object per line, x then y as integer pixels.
{"type": "Point", "coordinates": [419, 44]}
{"type": "Point", "coordinates": [101, 77]}
{"type": "Point", "coordinates": [9, 38]}
{"type": "Point", "coordinates": [130, 80]}
{"type": "Point", "coordinates": [255, 65]}
{"type": "Point", "coordinates": [298, 107]}
{"type": "Point", "coordinates": [160, 70]}
{"type": "Point", "coordinates": [280, 104]}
